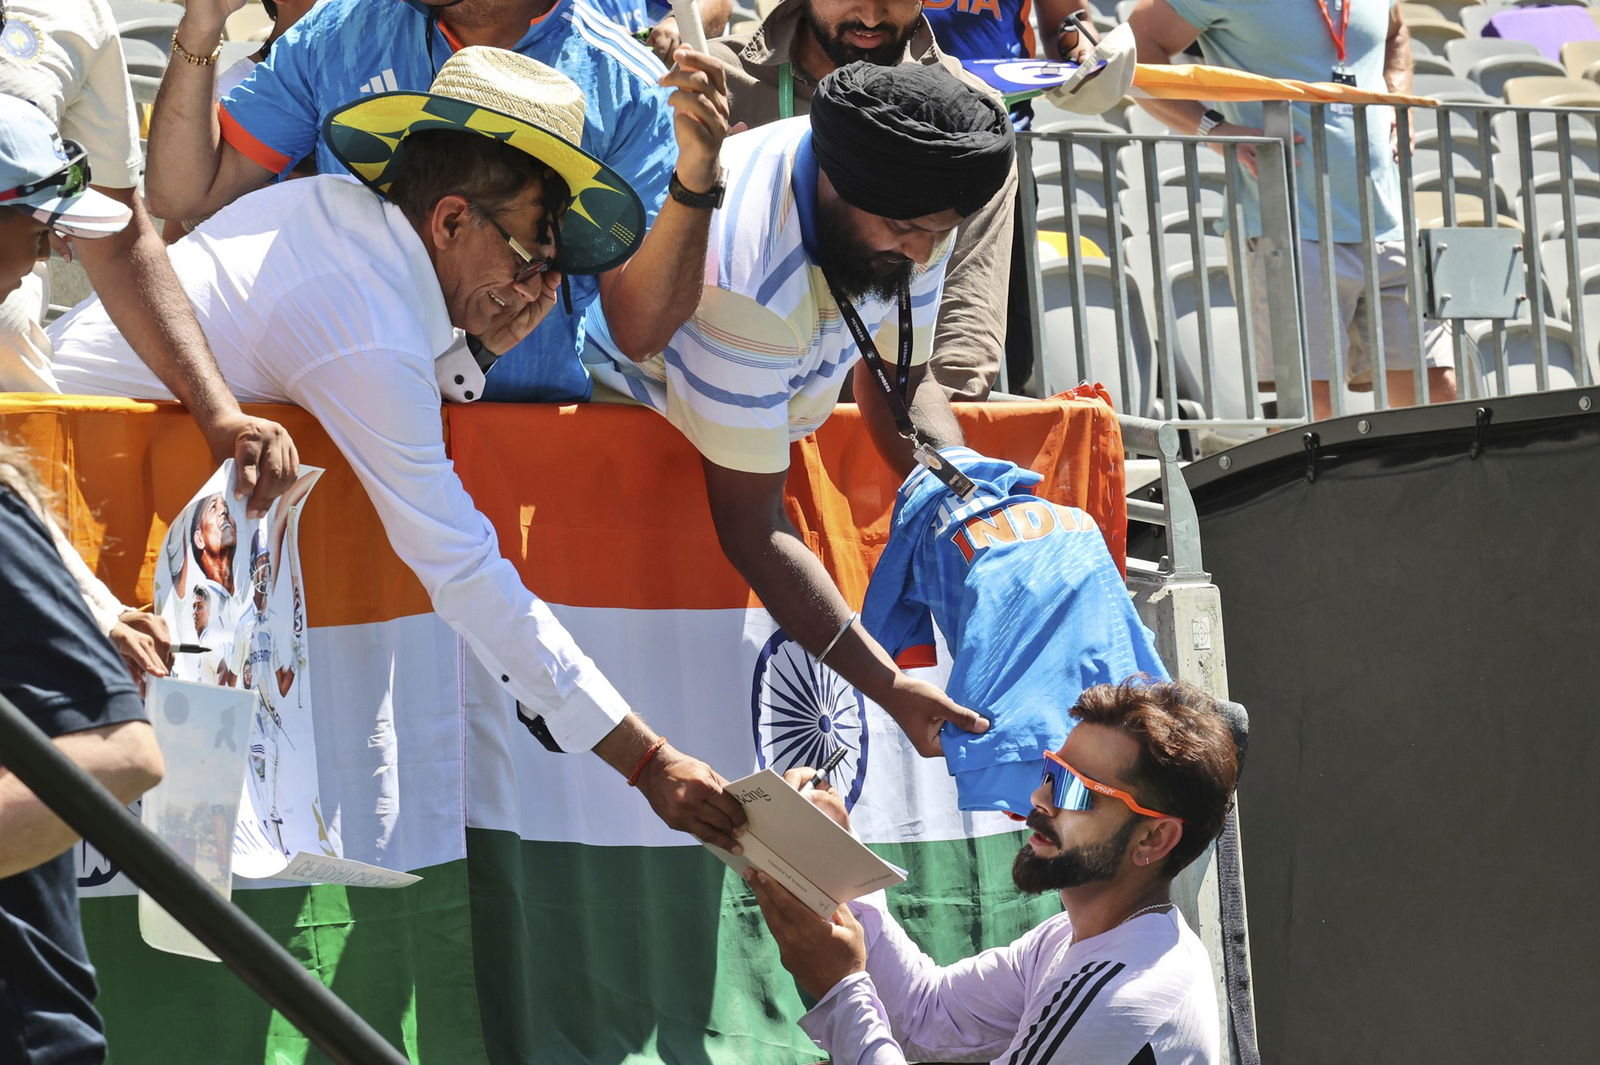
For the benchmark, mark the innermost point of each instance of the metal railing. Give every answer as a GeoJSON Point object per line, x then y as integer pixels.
{"type": "Point", "coordinates": [1183, 609]}
{"type": "Point", "coordinates": [1136, 253]}
{"type": "Point", "coordinates": [255, 957]}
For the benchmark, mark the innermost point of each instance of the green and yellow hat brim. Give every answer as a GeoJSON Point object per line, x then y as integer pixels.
{"type": "Point", "coordinates": [605, 219]}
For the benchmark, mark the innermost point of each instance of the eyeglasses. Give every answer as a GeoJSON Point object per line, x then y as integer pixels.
{"type": "Point", "coordinates": [1070, 789]}
{"type": "Point", "coordinates": [531, 266]}
{"type": "Point", "coordinates": [68, 181]}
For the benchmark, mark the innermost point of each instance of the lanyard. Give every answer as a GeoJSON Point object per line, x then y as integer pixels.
{"type": "Point", "coordinates": [1344, 25]}
{"type": "Point", "coordinates": [786, 92]}
{"type": "Point", "coordinates": [894, 394]}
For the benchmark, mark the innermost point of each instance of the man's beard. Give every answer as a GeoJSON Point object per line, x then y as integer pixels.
{"type": "Point", "coordinates": [857, 271]}
{"type": "Point", "coordinates": [842, 54]}
{"type": "Point", "coordinates": [1082, 865]}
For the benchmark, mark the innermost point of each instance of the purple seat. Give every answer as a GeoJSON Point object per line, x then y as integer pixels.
{"type": "Point", "coordinates": [1546, 28]}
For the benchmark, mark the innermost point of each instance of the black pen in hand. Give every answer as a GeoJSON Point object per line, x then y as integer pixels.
{"type": "Point", "coordinates": [190, 649]}
{"type": "Point", "coordinates": [829, 766]}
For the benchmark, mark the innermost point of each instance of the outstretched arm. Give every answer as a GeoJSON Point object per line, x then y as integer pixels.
{"type": "Point", "coordinates": [758, 538]}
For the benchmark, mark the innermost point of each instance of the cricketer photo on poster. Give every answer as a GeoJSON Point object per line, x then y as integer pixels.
{"type": "Point", "coordinates": [232, 590]}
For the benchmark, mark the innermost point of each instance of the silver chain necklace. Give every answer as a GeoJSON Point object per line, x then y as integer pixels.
{"type": "Point", "coordinates": [1147, 909]}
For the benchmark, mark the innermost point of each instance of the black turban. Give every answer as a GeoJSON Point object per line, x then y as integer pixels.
{"type": "Point", "coordinates": [909, 140]}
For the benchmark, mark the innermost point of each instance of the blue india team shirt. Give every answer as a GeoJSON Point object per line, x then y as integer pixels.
{"type": "Point", "coordinates": [1029, 600]}
{"type": "Point", "coordinates": [344, 49]}
{"type": "Point", "coordinates": [983, 29]}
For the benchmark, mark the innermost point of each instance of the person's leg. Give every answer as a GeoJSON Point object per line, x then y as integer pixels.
{"type": "Point", "coordinates": [1259, 267]}
{"type": "Point", "coordinates": [1399, 336]}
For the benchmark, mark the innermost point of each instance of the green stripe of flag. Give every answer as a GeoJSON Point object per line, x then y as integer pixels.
{"type": "Point", "coordinates": [628, 955]}
{"type": "Point", "coordinates": [402, 959]}
{"type": "Point", "coordinates": [530, 952]}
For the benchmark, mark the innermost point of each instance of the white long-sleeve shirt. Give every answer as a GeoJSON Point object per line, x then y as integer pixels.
{"type": "Point", "coordinates": [317, 293]}
{"type": "Point", "coordinates": [1138, 994]}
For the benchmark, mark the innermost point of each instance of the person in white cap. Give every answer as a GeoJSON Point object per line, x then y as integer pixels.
{"type": "Point", "coordinates": [345, 298]}
{"type": "Point", "coordinates": [44, 190]}
{"type": "Point", "coordinates": [64, 56]}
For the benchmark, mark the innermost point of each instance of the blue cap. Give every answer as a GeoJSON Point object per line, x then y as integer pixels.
{"type": "Point", "coordinates": [30, 152]}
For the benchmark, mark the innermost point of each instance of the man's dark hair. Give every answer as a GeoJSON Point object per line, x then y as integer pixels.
{"type": "Point", "coordinates": [1188, 764]}
{"type": "Point", "coordinates": [434, 163]}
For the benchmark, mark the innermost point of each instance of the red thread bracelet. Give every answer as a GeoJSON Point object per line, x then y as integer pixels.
{"type": "Point", "coordinates": [633, 778]}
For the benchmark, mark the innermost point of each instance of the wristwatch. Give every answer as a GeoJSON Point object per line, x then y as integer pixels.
{"type": "Point", "coordinates": [709, 200]}
{"type": "Point", "coordinates": [1210, 121]}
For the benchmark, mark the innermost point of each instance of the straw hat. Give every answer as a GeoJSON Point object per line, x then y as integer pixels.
{"type": "Point", "coordinates": [521, 102]}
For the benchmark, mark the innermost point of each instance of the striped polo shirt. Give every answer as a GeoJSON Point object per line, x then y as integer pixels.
{"type": "Point", "coordinates": [762, 360]}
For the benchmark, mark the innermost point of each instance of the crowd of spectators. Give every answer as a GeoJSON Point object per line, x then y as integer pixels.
{"type": "Point", "coordinates": [393, 205]}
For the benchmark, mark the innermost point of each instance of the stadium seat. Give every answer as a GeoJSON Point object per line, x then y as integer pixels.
{"type": "Point", "coordinates": [1484, 344]}
{"type": "Point", "coordinates": [1464, 53]}
{"type": "Point", "coordinates": [150, 22]}
{"type": "Point", "coordinates": [1466, 155]}
{"type": "Point", "coordinates": [1088, 189]}
{"type": "Point", "coordinates": [1474, 19]}
{"type": "Point", "coordinates": [1551, 92]}
{"type": "Point", "coordinates": [1171, 210]}
{"type": "Point", "coordinates": [1582, 59]}
{"type": "Point", "coordinates": [1435, 32]}
{"type": "Point", "coordinates": [1131, 387]}
{"type": "Point", "coordinates": [1180, 290]}
{"type": "Point", "coordinates": [1450, 10]}
{"type": "Point", "coordinates": [1092, 224]}
{"type": "Point", "coordinates": [1170, 166]}
{"type": "Point", "coordinates": [1437, 84]}
{"type": "Point", "coordinates": [1429, 208]}
{"type": "Point", "coordinates": [1429, 64]}
{"type": "Point", "coordinates": [1463, 122]}
{"type": "Point", "coordinates": [1492, 72]}
{"type": "Point", "coordinates": [1550, 214]}
{"type": "Point", "coordinates": [144, 58]}
{"type": "Point", "coordinates": [1544, 127]}
{"type": "Point", "coordinates": [1553, 260]}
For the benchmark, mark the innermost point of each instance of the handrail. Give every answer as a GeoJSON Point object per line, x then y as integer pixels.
{"type": "Point", "coordinates": [257, 959]}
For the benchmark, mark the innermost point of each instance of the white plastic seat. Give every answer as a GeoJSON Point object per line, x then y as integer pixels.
{"type": "Point", "coordinates": [1063, 365]}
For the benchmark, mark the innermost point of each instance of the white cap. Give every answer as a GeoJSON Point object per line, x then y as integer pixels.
{"type": "Point", "coordinates": [32, 151]}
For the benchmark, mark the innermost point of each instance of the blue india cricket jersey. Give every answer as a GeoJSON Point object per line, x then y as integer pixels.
{"type": "Point", "coordinates": [344, 49]}
{"type": "Point", "coordinates": [1031, 605]}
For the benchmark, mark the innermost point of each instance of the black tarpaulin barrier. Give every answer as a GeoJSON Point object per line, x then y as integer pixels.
{"type": "Point", "coordinates": [1410, 615]}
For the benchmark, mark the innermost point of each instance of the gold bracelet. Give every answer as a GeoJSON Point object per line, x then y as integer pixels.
{"type": "Point", "coordinates": [184, 54]}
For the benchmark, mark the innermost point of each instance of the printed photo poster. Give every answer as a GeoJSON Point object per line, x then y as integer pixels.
{"type": "Point", "coordinates": [232, 589]}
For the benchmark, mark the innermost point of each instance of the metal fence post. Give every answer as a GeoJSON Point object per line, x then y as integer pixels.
{"type": "Point", "coordinates": [1280, 237]}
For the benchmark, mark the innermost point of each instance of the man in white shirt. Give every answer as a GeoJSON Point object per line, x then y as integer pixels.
{"type": "Point", "coordinates": [320, 293]}
{"type": "Point", "coordinates": [1136, 793]}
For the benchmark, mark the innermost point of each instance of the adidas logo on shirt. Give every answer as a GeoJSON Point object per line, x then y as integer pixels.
{"type": "Point", "coordinates": [382, 83]}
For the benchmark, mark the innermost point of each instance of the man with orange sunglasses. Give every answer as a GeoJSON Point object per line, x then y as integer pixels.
{"type": "Point", "coordinates": [1140, 787]}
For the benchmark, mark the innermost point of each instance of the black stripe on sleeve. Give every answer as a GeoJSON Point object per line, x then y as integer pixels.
{"type": "Point", "coordinates": [1052, 1012]}
{"type": "Point", "coordinates": [1066, 1029]}
{"type": "Point", "coordinates": [1146, 1056]}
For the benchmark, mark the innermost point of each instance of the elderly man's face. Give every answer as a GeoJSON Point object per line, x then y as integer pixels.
{"type": "Point", "coordinates": [876, 31]}
{"type": "Point", "coordinates": [216, 532]}
{"type": "Point", "coordinates": [476, 265]}
{"type": "Point", "coordinates": [869, 255]}
{"type": "Point", "coordinates": [24, 240]}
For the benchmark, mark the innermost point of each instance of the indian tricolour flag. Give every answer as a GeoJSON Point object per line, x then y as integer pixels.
{"type": "Point", "coordinates": [557, 919]}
